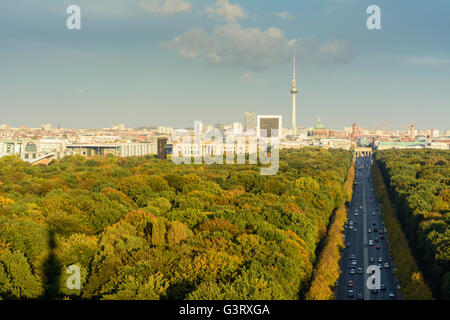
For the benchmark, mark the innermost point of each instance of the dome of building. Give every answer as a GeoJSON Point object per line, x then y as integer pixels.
{"type": "Point", "coordinates": [318, 125]}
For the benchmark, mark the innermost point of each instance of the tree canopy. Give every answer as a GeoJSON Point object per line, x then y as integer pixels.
{"type": "Point", "coordinates": [143, 228]}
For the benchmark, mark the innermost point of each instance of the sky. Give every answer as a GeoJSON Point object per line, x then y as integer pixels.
{"type": "Point", "coordinates": [171, 62]}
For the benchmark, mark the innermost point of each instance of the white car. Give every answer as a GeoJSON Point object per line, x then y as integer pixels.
{"type": "Point", "coordinates": [370, 242]}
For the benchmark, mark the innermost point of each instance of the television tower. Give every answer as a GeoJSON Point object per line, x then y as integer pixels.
{"type": "Point", "coordinates": [293, 92]}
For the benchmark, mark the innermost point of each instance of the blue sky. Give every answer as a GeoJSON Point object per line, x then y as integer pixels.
{"type": "Point", "coordinates": [170, 62]}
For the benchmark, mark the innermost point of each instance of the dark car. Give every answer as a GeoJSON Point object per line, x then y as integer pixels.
{"type": "Point", "coordinates": [374, 291]}
{"type": "Point", "coordinates": [383, 287]}
{"type": "Point", "coordinates": [359, 296]}
{"type": "Point", "coordinates": [378, 246]}
{"type": "Point", "coordinates": [350, 283]}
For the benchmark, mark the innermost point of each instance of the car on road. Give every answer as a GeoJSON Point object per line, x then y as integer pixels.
{"type": "Point", "coordinates": [380, 259]}
{"type": "Point", "coordinates": [381, 237]}
{"type": "Point", "coordinates": [370, 242]}
{"type": "Point", "coordinates": [354, 262]}
{"type": "Point", "coordinates": [351, 227]}
{"type": "Point", "coordinates": [351, 293]}
{"type": "Point", "coordinates": [373, 213]}
{"type": "Point", "coordinates": [372, 259]}
{"type": "Point", "coordinates": [381, 232]}
{"type": "Point", "coordinates": [361, 207]}
{"type": "Point", "coordinates": [374, 291]}
{"type": "Point", "coordinates": [350, 283]}
{"type": "Point", "coordinates": [379, 265]}
{"type": "Point", "coordinates": [355, 230]}
{"type": "Point", "coordinates": [377, 246]}
{"type": "Point", "coordinates": [350, 222]}
{"type": "Point", "coordinates": [383, 287]}
{"type": "Point", "coordinates": [377, 239]}
{"type": "Point", "coordinates": [359, 296]}
{"type": "Point", "coordinates": [386, 265]}
{"type": "Point", "coordinates": [347, 243]}
{"type": "Point", "coordinates": [374, 223]}
{"type": "Point", "coordinates": [391, 295]}
{"type": "Point", "coordinates": [369, 230]}
{"type": "Point", "coordinates": [398, 287]}
{"type": "Point", "coordinates": [352, 271]}
{"type": "Point", "coordinates": [360, 270]}
{"type": "Point", "coordinates": [356, 213]}
{"type": "Point", "coordinates": [352, 257]}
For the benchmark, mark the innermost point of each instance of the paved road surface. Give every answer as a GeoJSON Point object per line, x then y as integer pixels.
{"type": "Point", "coordinates": [364, 217]}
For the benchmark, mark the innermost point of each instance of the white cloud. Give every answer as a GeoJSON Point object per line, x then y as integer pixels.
{"type": "Point", "coordinates": [223, 10]}
{"type": "Point", "coordinates": [251, 77]}
{"type": "Point", "coordinates": [427, 61]}
{"type": "Point", "coordinates": [168, 7]}
{"type": "Point", "coordinates": [256, 49]}
{"type": "Point", "coordinates": [285, 15]}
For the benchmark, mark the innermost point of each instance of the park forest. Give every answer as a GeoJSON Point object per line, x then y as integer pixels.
{"type": "Point", "coordinates": [144, 228]}
{"type": "Point", "coordinates": [419, 187]}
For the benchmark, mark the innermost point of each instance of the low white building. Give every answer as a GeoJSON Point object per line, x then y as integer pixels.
{"type": "Point", "coordinates": [336, 143]}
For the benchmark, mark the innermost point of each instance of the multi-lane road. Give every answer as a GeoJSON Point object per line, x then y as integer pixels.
{"type": "Point", "coordinates": [366, 244]}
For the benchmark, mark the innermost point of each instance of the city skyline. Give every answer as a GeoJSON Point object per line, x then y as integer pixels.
{"type": "Point", "coordinates": [144, 65]}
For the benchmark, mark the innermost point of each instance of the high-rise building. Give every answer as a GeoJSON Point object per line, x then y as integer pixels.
{"type": "Point", "coordinates": [355, 130]}
{"type": "Point", "coordinates": [236, 128]}
{"type": "Point", "coordinates": [198, 127]}
{"type": "Point", "coordinates": [162, 145]}
{"type": "Point", "coordinates": [413, 133]}
{"type": "Point", "coordinates": [249, 120]}
{"type": "Point", "coordinates": [293, 92]}
{"type": "Point", "coordinates": [269, 126]}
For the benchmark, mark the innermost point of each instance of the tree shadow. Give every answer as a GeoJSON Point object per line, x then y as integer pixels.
{"type": "Point", "coordinates": [52, 270]}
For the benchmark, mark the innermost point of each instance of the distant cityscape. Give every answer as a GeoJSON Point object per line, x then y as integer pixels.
{"type": "Point", "coordinates": [37, 144]}
{"type": "Point", "coordinates": [45, 144]}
